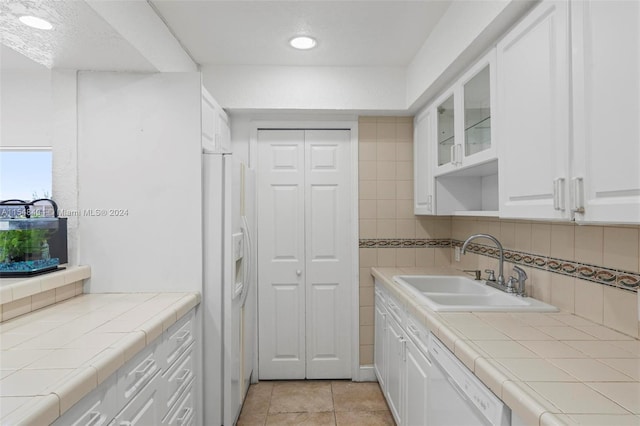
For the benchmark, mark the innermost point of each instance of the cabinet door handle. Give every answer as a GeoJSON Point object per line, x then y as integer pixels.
{"type": "Point", "coordinates": [183, 335]}
{"type": "Point", "coordinates": [577, 200]}
{"type": "Point", "coordinates": [413, 330]}
{"type": "Point", "coordinates": [458, 154]}
{"type": "Point", "coordinates": [184, 376]}
{"type": "Point", "coordinates": [430, 203]}
{"type": "Point", "coordinates": [145, 367]}
{"type": "Point", "coordinates": [94, 417]}
{"type": "Point", "coordinates": [558, 194]}
{"type": "Point", "coordinates": [186, 413]}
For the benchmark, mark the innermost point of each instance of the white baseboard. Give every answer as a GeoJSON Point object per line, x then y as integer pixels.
{"type": "Point", "coordinates": [366, 374]}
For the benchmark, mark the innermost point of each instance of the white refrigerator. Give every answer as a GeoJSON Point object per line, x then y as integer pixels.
{"type": "Point", "coordinates": [228, 323]}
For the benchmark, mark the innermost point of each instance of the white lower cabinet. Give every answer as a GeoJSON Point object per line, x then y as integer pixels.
{"type": "Point", "coordinates": [179, 377]}
{"type": "Point", "coordinates": [183, 414]}
{"type": "Point", "coordinates": [143, 409]}
{"type": "Point", "coordinates": [135, 374]}
{"type": "Point", "coordinates": [95, 409]}
{"type": "Point", "coordinates": [395, 361]}
{"type": "Point", "coordinates": [177, 339]}
{"type": "Point", "coordinates": [400, 361]}
{"type": "Point", "coordinates": [417, 374]}
{"type": "Point", "coordinates": [380, 322]}
{"type": "Point", "coordinates": [157, 386]}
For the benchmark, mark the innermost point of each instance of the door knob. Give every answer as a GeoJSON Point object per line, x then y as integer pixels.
{"type": "Point", "coordinates": [298, 272]}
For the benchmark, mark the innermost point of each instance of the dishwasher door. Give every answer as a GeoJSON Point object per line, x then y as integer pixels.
{"type": "Point", "coordinates": [456, 396]}
{"type": "Point", "coordinates": [447, 405]}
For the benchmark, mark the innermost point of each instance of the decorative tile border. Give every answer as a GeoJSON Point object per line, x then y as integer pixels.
{"type": "Point", "coordinates": [405, 243]}
{"type": "Point", "coordinates": [598, 274]}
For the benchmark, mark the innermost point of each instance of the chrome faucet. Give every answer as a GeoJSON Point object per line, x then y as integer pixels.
{"type": "Point", "coordinates": [501, 261]}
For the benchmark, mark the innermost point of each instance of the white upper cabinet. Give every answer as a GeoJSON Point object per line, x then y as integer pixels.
{"type": "Point", "coordinates": [558, 104]}
{"type": "Point", "coordinates": [533, 115]}
{"type": "Point", "coordinates": [447, 143]}
{"type": "Point", "coordinates": [463, 119]}
{"type": "Point", "coordinates": [454, 147]}
{"type": "Point", "coordinates": [423, 142]}
{"type": "Point", "coordinates": [216, 133]}
{"type": "Point", "coordinates": [605, 186]}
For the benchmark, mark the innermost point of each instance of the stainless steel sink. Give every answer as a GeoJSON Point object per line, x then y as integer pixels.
{"type": "Point", "coordinates": [455, 293]}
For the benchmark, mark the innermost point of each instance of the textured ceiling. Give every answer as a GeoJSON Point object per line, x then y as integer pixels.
{"type": "Point", "coordinates": [239, 32]}
{"type": "Point", "coordinates": [80, 38]}
{"type": "Point", "coordinates": [349, 33]}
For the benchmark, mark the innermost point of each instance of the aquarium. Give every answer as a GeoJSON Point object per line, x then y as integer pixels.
{"type": "Point", "coordinates": [29, 242]}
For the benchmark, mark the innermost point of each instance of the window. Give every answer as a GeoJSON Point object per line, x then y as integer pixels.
{"type": "Point", "coordinates": [25, 173]}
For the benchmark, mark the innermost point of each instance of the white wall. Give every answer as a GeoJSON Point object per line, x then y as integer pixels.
{"type": "Point", "coordinates": [306, 88]}
{"type": "Point", "coordinates": [64, 141]}
{"type": "Point", "coordinates": [467, 29]}
{"type": "Point", "coordinates": [139, 149]}
{"type": "Point", "coordinates": [26, 108]}
{"type": "Point", "coordinates": [38, 109]}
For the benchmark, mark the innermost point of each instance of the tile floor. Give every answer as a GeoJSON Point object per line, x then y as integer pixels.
{"type": "Point", "coordinates": [314, 403]}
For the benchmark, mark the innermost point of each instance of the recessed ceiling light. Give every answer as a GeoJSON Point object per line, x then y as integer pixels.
{"type": "Point", "coordinates": [35, 22]}
{"type": "Point", "coordinates": [303, 42]}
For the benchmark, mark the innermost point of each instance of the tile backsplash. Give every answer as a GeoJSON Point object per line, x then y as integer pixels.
{"type": "Point", "coordinates": [590, 271]}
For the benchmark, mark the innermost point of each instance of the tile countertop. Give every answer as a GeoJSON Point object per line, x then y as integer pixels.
{"type": "Point", "coordinates": [51, 358]}
{"type": "Point", "coordinates": [550, 368]}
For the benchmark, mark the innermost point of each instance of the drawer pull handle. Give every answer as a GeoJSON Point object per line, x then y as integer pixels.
{"type": "Point", "coordinates": [94, 417]}
{"type": "Point", "coordinates": [182, 336]}
{"type": "Point", "coordinates": [145, 367]}
{"type": "Point", "coordinates": [126, 423]}
{"type": "Point", "coordinates": [414, 330]}
{"type": "Point", "coordinates": [186, 414]}
{"type": "Point", "coordinates": [184, 376]}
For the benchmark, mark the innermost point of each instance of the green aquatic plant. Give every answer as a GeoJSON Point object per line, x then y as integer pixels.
{"type": "Point", "coordinates": [22, 244]}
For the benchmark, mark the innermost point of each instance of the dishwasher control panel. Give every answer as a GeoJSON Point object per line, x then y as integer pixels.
{"type": "Point", "coordinates": [467, 384]}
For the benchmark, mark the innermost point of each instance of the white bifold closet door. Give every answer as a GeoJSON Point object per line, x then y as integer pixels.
{"type": "Point", "coordinates": [304, 266]}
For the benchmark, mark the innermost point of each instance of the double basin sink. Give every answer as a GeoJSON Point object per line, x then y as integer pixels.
{"type": "Point", "coordinates": [461, 294]}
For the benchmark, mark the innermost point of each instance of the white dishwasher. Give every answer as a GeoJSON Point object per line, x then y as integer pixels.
{"type": "Point", "coordinates": [456, 396]}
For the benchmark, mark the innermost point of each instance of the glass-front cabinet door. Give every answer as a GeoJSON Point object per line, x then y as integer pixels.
{"type": "Point", "coordinates": [463, 117]}
{"type": "Point", "coordinates": [477, 113]}
{"type": "Point", "coordinates": [446, 130]}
